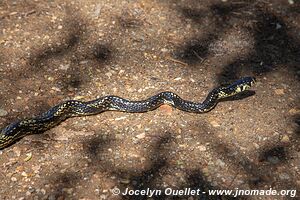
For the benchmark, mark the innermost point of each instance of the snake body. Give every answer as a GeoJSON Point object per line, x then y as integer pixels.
{"type": "Point", "coordinates": [75, 108]}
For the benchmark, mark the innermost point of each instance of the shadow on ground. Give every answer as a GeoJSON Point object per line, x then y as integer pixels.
{"type": "Point", "coordinates": [273, 46]}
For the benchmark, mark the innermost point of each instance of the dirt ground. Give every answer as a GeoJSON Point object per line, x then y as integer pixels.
{"type": "Point", "coordinates": [55, 50]}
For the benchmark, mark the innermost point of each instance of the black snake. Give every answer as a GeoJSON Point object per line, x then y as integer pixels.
{"type": "Point", "coordinates": [73, 108]}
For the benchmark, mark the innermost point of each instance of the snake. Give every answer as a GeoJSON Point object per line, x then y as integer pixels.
{"type": "Point", "coordinates": [75, 108]}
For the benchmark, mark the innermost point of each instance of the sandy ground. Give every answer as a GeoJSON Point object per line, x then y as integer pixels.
{"type": "Point", "coordinates": [55, 50]}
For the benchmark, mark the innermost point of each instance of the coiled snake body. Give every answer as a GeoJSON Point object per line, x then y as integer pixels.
{"type": "Point", "coordinates": [73, 108]}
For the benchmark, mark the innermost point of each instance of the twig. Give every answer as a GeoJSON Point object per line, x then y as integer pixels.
{"type": "Point", "coordinates": [233, 180]}
{"type": "Point", "coordinates": [177, 61]}
{"type": "Point", "coordinates": [29, 13]}
{"type": "Point", "coordinates": [199, 57]}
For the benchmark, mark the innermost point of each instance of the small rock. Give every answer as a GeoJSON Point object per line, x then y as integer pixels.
{"type": "Point", "coordinates": [120, 118]}
{"type": "Point", "coordinates": [141, 136]}
{"type": "Point", "coordinates": [285, 139]}
{"type": "Point", "coordinates": [64, 67]}
{"type": "Point", "coordinates": [3, 112]}
{"type": "Point", "coordinates": [202, 148]}
{"type": "Point", "coordinates": [220, 163]}
{"type": "Point", "coordinates": [109, 74]}
{"type": "Point", "coordinates": [125, 181]}
{"type": "Point", "coordinates": [166, 109]}
{"type": "Point", "coordinates": [273, 159]}
{"type": "Point", "coordinates": [278, 26]}
{"type": "Point", "coordinates": [214, 123]}
{"type": "Point", "coordinates": [17, 151]}
{"type": "Point", "coordinates": [68, 190]}
{"type": "Point", "coordinates": [24, 174]}
{"type": "Point", "coordinates": [43, 191]}
{"type": "Point", "coordinates": [59, 27]}
{"type": "Point", "coordinates": [97, 11]}
{"type": "Point", "coordinates": [52, 197]}
{"type": "Point", "coordinates": [164, 50]}
{"type": "Point", "coordinates": [119, 136]}
{"type": "Point", "coordinates": [256, 145]}
{"type": "Point", "coordinates": [205, 171]}
{"type": "Point", "coordinates": [279, 91]}
{"type": "Point", "coordinates": [83, 62]}
{"type": "Point", "coordinates": [284, 176]}
{"type": "Point", "coordinates": [56, 89]}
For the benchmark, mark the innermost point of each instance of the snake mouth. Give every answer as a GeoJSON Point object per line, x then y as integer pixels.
{"type": "Point", "coordinates": [253, 81]}
{"type": "Point", "coordinates": [248, 81]}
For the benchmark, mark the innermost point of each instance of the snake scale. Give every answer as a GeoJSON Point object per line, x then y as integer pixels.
{"type": "Point", "coordinates": [74, 108]}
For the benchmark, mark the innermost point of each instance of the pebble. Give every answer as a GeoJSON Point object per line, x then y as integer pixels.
{"type": "Point", "coordinates": [43, 191]}
{"type": "Point", "coordinates": [141, 136]}
{"type": "Point", "coordinates": [56, 89]}
{"type": "Point", "coordinates": [50, 78]}
{"type": "Point", "coordinates": [3, 112]}
{"type": "Point", "coordinates": [279, 91]}
{"type": "Point", "coordinates": [120, 118]}
{"type": "Point", "coordinates": [14, 179]}
{"type": "Point", "coordinates": [214, 123]}
{"type": "Point", "coordinates": [284, 176]}
{"type": "Point", "coordinates": [97, 11]}
{"type": "Point", "coordinates": [285, 139]}
{"type": "Point", "coordinates": [166, 109]}
{"type": "Point", "coordinates": [273, 159]}
{"type": "Point", "coordinates": [202, 148]}
{"type": "Point", "coordinates": [83, 62]}
{"type": "Point", "coordinates": [109, 74]}
{"type": "Point", "coordinates": [256, 145]}
{"type": "Point", "coordinates": [125, 181]}
{"type": "Point", "coordinates": [220, 163]}
{"type": "Point", "coordinates": [64, 67]}
{"type": "Point", "coordinates": [205, 171]}
{"type": "Point", "coordinates": [68, 190]}
{"type": "Point", "coordinates": [52, 197]}
{"type": "Point", "coordinates": [24, 174]}
{"type": "Point", "coordinates": [17, 151]}
{"type": "Point", "coordinates": [164, 50]}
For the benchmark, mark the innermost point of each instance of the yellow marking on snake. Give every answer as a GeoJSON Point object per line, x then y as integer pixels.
{"type": "Point", "coordinates": [72, 108]}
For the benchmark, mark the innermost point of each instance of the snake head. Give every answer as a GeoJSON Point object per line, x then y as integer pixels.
{"type": "Point", "coordinates": [238, 86]}
{"type": "Point", "coordinates": [242, 84]}
{"type": "Point", "coordinates": [247, 82]}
